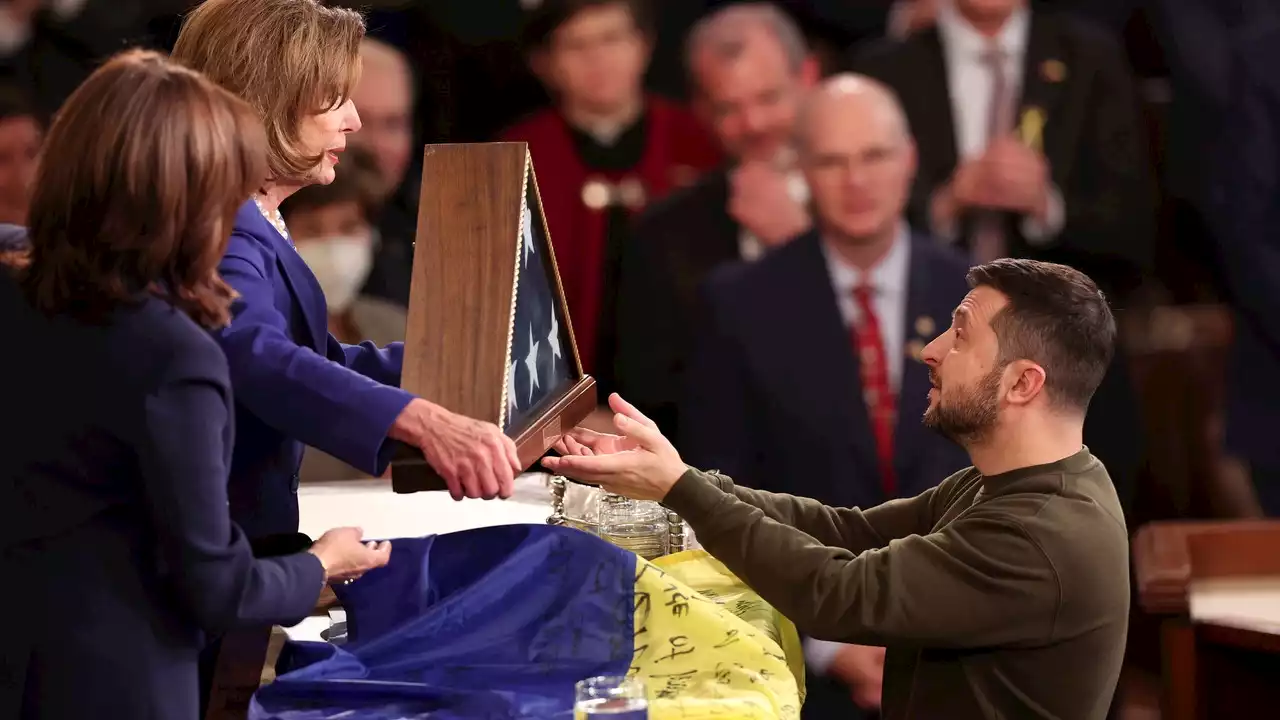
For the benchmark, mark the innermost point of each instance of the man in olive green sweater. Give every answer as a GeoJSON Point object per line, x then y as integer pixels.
{"type": "Point", "coordinates": [1001, 593]}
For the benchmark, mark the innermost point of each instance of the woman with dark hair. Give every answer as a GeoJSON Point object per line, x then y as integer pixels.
{"type": "Point", "coordinates": [295, 62]}
{"type": "Point", "coordinates": [117, 548]}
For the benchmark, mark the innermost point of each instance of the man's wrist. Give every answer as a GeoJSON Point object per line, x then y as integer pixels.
{"type": "Point", "coordinates": [672, 478]}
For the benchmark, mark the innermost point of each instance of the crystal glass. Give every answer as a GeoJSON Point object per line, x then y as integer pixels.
{"type": "Point", "coordinates": [637, 525]}
{"type": "Point", "coordinates": [615, 697]}
{"type": "Point", "coordinates": [582, 506]}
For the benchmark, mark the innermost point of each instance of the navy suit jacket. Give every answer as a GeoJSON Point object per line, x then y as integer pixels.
{"type": "Point", "coordinates": [116, 540]}
{"type": "Point", "coordinates": [773, 397]}
{"type": "Point", "coordinates": [295, 383]}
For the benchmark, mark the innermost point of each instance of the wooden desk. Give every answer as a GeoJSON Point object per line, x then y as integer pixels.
{"type": "Point", "coordinates": [1209, 670]}
{"type": "Point", "coordinates": [1237, 673]}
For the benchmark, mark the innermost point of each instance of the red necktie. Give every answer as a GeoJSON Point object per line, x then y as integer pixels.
{"type": "Point", "coordinates": [881, 403]}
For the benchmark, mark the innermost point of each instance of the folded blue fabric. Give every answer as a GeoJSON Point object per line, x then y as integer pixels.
{"type": "Point", "coordinates": [494, 623]}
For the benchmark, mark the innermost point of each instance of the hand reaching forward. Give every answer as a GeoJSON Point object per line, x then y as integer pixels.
{"type": "Point", "coordinates": [639, 463]}
{"type": "Point", "coordinates": [345, 557]}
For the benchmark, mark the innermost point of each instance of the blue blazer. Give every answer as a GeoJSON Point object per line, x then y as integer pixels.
{"type": "Point", "coordinates": [773, 397]}
{"type": "Point", "coordinates": [295, 384]}
{"type": "Point", "coordinates": [116, 544]}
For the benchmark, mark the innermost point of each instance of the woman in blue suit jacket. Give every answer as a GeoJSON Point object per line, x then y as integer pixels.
{"type": "Point", "coordinates": [296, 61]}
{"type": "Point", "coordinates": [116, 546]}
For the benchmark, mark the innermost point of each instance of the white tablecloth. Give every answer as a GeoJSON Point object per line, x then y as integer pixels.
{"type": "Point", "coordinates": [371, 505]}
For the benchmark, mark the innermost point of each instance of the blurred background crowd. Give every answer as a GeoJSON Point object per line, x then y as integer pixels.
{"type": "Point", "coordinates": [1133, 139]}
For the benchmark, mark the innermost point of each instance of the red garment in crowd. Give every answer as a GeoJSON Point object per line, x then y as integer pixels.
{"type": "Point", "coordinates": [676, 151]}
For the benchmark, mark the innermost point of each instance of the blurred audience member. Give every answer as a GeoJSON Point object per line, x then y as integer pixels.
{"type": "Point", "coordinates": [20, 134]}
{"type": "Point", "coordinates": [51, 46]}
{"type": "Point", "coordinates": [1029, 145]}
{"type": "Point", "coordinates": [603, 152]}
{"type": "Point", "coordinates": [384, 97]}
{"type": "Point", "coordinates": [910, 16]}
{"type": "Point", "coordinates": [807, 378]}
{"type": "Point", "coordinates": [751, 69]}
{"type": "Point", "coordinates": [333, 228]}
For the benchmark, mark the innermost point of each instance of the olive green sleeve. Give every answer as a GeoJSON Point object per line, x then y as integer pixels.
{"type": "Point", "coordinates": [850, 528]}
{"type": "Point", "coordinates": [980, 581]}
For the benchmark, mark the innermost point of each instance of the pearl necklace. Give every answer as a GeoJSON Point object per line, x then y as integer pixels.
{"type": "Point", "coordinates": [275, 218]}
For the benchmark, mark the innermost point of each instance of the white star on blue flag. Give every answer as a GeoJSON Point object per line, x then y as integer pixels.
{"type": "Point", "coordinates": [538, 369]}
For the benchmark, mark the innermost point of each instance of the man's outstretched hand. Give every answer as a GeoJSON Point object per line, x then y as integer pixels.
{"type": "Point", "coordinates": [638, 463]}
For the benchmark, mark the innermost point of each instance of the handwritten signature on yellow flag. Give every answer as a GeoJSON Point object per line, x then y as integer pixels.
{"type": "Point", "coordinates": [707, 646]}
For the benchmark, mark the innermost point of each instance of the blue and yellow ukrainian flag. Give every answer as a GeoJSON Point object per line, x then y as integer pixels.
{"type": "Point", "coordinates": [501, 622]}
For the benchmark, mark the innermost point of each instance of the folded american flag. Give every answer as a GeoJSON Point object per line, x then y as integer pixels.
{"type": "Point", "coordinates": [540, 366]}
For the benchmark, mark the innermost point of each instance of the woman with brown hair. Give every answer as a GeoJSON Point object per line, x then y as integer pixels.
{"type": "Point", "coordinates": [295, 62]}
{"type": "Point", "coordinates": [117, 548]}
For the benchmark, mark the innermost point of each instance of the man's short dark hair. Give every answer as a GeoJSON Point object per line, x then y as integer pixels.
{"type": "Point", "coordinates": [1056, 317]}
{"type": "Point", "coordinates": [541, 23]}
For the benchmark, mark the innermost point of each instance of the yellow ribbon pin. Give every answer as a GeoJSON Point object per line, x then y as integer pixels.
{"type": "Point", "coordinates": [1031, 128]}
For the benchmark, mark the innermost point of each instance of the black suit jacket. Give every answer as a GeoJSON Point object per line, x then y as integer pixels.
{"type": "Point", "coordinates": [116, 532]}
{"type": "Point", "coordinates": [1091, 138]}
{"type": "Point", "coordinates": [675, 244]}
{"type": "Point", "coordinates": [772, 396]}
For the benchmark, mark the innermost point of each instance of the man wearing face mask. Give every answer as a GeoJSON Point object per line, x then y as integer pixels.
{"type": "Point", "coordinates": [333, 228]}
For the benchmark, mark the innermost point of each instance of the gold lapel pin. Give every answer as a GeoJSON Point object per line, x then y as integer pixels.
{"type": "Point", "coordinates": [1053, 71]}
{"type": "Point", "coordinates": [1031, 128]}
{"type": "Point", "coordinates": [925, 326]}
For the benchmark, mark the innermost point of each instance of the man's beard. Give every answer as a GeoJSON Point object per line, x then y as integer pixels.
{"type": "Point", "coordinates": [970, 418]}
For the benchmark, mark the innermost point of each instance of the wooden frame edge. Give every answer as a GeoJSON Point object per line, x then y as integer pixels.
{"type": "Point", "coordinates": [410, 472]}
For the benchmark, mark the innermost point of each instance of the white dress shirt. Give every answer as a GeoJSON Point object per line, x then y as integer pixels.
{"type": "Point", "coordinates": [971, 86]}
{"type": "Point", "coordinates": [890, 280]}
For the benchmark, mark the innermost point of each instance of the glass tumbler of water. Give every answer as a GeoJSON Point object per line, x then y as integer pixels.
{"type": "Point", "coordinates": [637, 525]}
{"type": "Point", "coordinates": [610, 697]}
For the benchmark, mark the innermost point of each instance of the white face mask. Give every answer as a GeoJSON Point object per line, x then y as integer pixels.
{"type": "Point", "coordinates": [341, 264]}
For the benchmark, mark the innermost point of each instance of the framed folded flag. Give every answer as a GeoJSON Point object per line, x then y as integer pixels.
{"type": "Point", "coordinates": [488, 333]}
